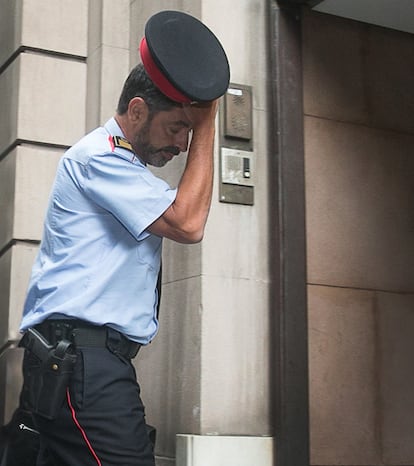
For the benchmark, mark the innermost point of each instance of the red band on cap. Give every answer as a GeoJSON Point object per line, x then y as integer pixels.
{"type": "Point", "coordinates": [158, 78]}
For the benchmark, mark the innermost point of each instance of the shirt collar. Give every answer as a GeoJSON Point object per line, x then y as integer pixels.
{"type": "Point", "coordinates": [113, 128]}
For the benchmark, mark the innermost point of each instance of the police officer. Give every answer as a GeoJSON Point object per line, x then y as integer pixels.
{"type": "Point", "coordinates": [92, 296]}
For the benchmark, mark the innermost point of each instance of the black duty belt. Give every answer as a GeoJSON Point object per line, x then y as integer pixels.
{"type": "Point", "coordinates": [83, 334]}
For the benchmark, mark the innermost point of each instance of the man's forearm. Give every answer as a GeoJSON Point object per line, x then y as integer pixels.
{"type": "Point", "coordinates": [185, 219]}
{"type": "Point", "coordinates": [196, 185]}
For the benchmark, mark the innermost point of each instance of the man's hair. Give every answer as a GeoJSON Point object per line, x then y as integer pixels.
{"type": "Point", "coordinates": [138, 84]}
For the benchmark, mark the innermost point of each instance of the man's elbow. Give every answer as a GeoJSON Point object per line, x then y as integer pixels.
{"type": "Point", "coordinates": [191, 235]}
{"type": "Point", "coordinates": [184, 232]}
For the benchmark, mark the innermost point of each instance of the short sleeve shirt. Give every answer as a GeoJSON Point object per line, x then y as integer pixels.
{"type": "Point", "coordinates": [97, 261]}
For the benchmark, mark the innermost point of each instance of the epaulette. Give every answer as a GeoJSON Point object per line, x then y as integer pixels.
{"type": "Point", "coordinates": [119, 141]}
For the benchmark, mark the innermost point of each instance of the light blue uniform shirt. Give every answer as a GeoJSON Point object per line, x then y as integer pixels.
{"type": "Point", "coordinates": [97, 262]}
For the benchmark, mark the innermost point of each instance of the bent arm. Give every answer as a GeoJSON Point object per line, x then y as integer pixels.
{"type": "Point", "coordinates": [185, 219]}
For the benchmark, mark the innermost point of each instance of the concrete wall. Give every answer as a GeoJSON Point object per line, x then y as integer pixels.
{"type": "Point", "coordinates": [359, 145]}
{"type": "Point", "coordinates": [62, 66]}
{"type": "Point", "coordinates": [207, 372]}
{"type": "Point", "coordinates": [43, 95]}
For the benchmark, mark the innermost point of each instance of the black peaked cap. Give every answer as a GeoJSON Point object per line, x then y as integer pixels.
{"type": "Point", "coordinates": [184, 58]}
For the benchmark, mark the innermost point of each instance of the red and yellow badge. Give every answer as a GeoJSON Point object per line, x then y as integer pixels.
{"type": "Point", "coordinates": [119, 141]}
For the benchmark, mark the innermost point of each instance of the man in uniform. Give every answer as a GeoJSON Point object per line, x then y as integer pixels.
{"type": "Point", "coordinates": [92, 298]}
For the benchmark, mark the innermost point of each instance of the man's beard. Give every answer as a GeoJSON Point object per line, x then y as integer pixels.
{"type": "Point", "coordinates": [150, 154]}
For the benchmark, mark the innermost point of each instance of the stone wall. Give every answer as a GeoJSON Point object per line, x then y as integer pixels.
{"type": "Point", "coordinates": [359, 145]}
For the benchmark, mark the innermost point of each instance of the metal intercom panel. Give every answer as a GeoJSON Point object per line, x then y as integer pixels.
{"type": "Point", "coordinates": [236, 166]}
{"type": "Point", "coordinates": [238, 113]}
{"type": "Point", "coordinates": [236, 151]}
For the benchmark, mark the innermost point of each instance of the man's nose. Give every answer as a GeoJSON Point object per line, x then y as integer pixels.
{"type": "Point", "coordinates": [182, 140]}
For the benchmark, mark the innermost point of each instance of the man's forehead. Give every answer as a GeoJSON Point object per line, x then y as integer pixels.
{"type": "Point", "coordinates": [175, 117]}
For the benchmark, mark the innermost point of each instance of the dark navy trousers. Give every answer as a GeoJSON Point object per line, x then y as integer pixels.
{"type": "Point", "coordinates": [102, 419]}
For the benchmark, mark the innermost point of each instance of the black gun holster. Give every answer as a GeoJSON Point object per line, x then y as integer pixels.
{"type": "Point", "coordinates": [47, 372]}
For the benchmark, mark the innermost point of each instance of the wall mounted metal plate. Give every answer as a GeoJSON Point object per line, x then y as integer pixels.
{"type": "Point", "coordinates": [236, 166]}
{"type": "Point", "coordinates": [236, 146]}
{"type": "Point", "coordinates": [238, 112]}
{"type": "Point", "coordinates": [236, 176]}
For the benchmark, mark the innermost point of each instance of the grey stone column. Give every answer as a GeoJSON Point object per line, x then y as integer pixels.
{"type": "Point", "coordinates": [43, 95]}
{"type": "Point", "coordinates": [207, 372]}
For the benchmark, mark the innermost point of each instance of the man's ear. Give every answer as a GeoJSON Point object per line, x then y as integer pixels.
{"type": "Point", "coordinates": [138, 110]}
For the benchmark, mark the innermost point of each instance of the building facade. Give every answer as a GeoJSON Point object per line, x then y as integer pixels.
{"type": "Point", "coordinates": [286, 334]}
